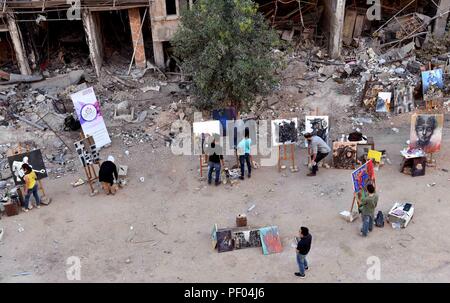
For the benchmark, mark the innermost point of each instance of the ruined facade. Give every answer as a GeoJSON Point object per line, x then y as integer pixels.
{"type": "Point", "coordinates": [144, 28]}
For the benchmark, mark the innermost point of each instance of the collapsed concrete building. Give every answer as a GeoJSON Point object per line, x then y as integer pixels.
{"type": "Point", "coordinates": [33, 33]}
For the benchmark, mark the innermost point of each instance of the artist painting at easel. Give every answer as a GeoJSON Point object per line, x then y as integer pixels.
{"type": "Point", "coordinates": [108, 175]}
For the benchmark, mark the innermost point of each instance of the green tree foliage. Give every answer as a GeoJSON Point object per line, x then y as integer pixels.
{"type": "Point", "coordinates": [226, 45]}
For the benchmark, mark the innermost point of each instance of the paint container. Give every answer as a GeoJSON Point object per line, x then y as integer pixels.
{"type": "Point", "coordinates": [241, 220]}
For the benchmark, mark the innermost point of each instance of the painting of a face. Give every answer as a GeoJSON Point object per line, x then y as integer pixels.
{"type": "Point", "coordinates": [426, 132]}
{"type": "Point", "coordinates": [425, 127]}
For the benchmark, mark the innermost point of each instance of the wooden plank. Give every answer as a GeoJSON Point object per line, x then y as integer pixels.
{"type": "Point", "coordinates": [349, 25]}
{"type": "Point", "coordinates": [359, 25]}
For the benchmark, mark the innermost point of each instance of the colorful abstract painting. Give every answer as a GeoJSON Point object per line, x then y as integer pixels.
{"type": "Point", "coordinates": [344, 155]}
{"type": "Point", "coordinates": [426, 132]}
{"type": "Point", "coordinates": [224, 240]}
{"type": "Point", "coordinates": [363, 176]}
{"type": "Point", "coordinates": [270, 240]}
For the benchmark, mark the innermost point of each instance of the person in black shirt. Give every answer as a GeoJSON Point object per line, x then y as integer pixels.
{"type": "Point", "coordinates": [107, 175]}
{"type": "Point", "coordinates": [215, 162]}
{"type": "Point", "coordinates": [303, 247]}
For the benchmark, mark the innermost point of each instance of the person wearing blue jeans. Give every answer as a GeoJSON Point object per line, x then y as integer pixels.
{"type": "Point", "coordinates": [367, 209]}
{"type": "Point", "coordinates": [31, 187]}
{"type": "Point", "coordinates": [303, 248]}
{"type": "Point", "coordinates": [244, 154]}
{"type": "Point", "coordinates": [215, 162]}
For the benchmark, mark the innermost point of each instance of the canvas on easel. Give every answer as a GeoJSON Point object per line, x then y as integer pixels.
{"type": "Point", "coordinates": [89, 156]}
{"type": "Point", "coordinates": [426, 132]}
{"type": "Point", "coordinates": [284, 133]}
{"type": "Point", "coordinates": [203, 131]}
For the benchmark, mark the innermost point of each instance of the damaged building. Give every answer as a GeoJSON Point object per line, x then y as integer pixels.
{"type": "Point", "coordinates": [38, 34]}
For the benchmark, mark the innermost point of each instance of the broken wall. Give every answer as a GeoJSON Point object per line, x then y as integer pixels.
{"type": "Point", "coordinates": [333, 25]}
{"type": "Point", "coordinates": [164, 26]}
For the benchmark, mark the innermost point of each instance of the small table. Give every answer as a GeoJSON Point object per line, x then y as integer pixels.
{"type": "Point", "coordinates": [415, 161]}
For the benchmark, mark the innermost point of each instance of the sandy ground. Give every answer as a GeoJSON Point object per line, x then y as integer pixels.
{"type": "Point", "coordinates": [97, 229]}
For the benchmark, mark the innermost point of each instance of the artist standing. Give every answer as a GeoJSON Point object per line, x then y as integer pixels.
{"type": "Point", "coordinates": [317, 150]}
{"type": "Point", "coordinates": [215, 162]}
{"type": "Point", "coordinates": [244, 154]}
{"type": "Point", "coordinates": [31, 187]}
{"type": "Point", "coordinates": [367, 209]}
{"type": "Point", "coordinates": [303, 248]}
{"type": "Point", "coordinates": [107, 175]}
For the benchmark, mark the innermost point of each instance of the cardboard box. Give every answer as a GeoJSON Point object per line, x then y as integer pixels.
{"type": "Point", "coordinates": [398, 214]}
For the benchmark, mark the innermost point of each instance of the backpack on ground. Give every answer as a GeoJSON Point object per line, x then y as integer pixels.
{"type": "Point", "coordinates": [71, 124]}
{"type": "Point", "coordinates": [379, 220]}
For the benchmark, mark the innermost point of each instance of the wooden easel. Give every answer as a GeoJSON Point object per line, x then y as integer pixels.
{"type": "Point", "coordinates": [89, 169]}
{"type": "Point", "coordinates": [285, 155]}
{"type": "Point", "coordinates": [203, 163]}
{"type": "Point", "coordinates": [355, 197]}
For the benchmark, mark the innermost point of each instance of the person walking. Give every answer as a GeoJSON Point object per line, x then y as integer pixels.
{"type": "Point", "coordinates": [367, 209]}
{"type": "Point", "coordinates": [244, 154]}
{"type": "Point", "coordinates": [31, 187]}
{"type": "Point", "coordinates": [317, 150]}
{"type": "Point", "coordinates": [303, 248]}
{"type": "Point", "coordinates": [108, 175]}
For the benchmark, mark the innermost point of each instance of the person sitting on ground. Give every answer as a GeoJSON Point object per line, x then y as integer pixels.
{"type": "Point", "coordinates": [244, 154]}
{"type": "Point", "coordinates": [215, 162]}
{"type": "Point", "coordinates": [317, 150]}
{"type": "Point", "coordinates": [31, 187]}
{"type": "Point", "coordinates": [108, 175]}
{"type": "Point", "coordinates": [367, 209]}
{"type": "Point", "coordinates": [303, 248]}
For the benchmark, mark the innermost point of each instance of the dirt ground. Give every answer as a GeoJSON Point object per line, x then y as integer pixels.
{"type": "Point", "coordinates": [115, 238]}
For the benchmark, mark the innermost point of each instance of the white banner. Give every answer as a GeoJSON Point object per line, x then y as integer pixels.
{"type": "Point", "coordinates": [88, 111]}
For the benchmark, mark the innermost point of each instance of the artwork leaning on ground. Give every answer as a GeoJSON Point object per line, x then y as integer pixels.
{"type": "Point", "coordinates": [383, 102]}
{"type": "Point", "coordinates": [344, 155]}
{"type": "Point", "coordinates": [403, 99]}
{"type": "Point", "coordinates": [224, 240]}
{"type": "Point", "coordinates": [284, 131]}
{"type": "Point", "coordinates": [34, 159]}
{"type": "Point", "coordinates": [318, 126]}
{"type": "Point", "coordinates": [87, 152]}
{"type": "Point", "coordinates": [432, 84]}
{"type": "Point", "coordinates": [270, 240]}
{"type": "Point", "coordinates": [246, 239]}
{"type": "Point", "coordinates": [363, 176]}
{"type": "Point", "coordinates": [426, 132]}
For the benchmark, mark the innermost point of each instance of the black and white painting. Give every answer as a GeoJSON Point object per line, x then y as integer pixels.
{"type": "Point", "coordinates": [317, 126]}
{"type": "Point", "coordinates": [32, 158]}
{"type": "Point", "coordinates": [284, 131]}
{"type": "Point", "coordinates": [403, 99]}
{"type": "Point", "coordinates": [246, 238]}
{"type": "Point", "coordinates": [87, 152]}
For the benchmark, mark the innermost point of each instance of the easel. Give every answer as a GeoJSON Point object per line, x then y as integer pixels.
{"type": "Point", "coordinates": [285, 155]}
{"type": "Point", "coordinates": [17, 151]}
{"type": "Point", "coordinates": [89, 169]}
